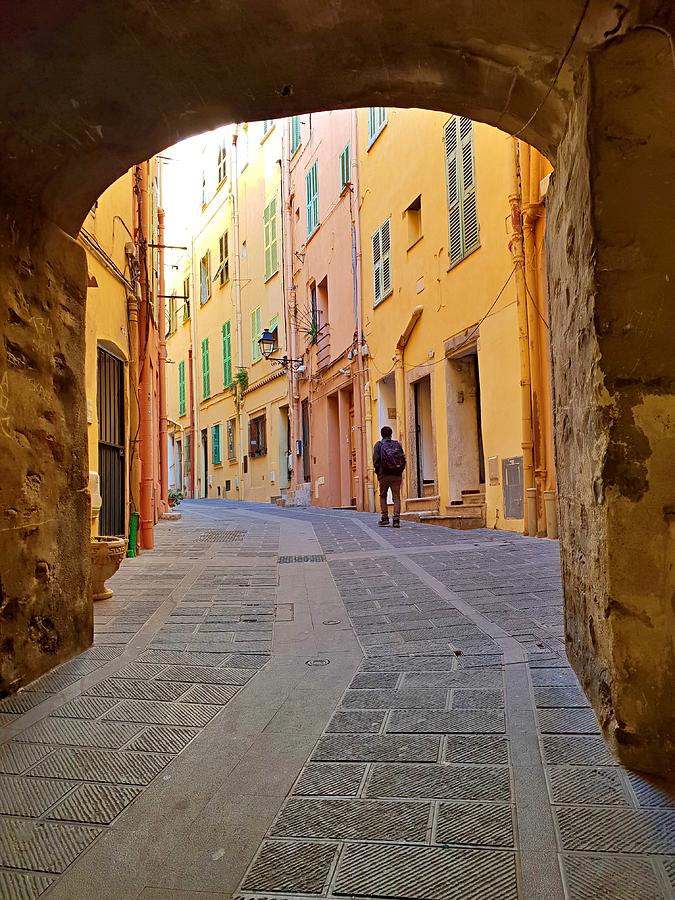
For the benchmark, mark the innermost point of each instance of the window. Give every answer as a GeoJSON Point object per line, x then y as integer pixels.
{"type": "Point", "coordinates": [413, 217]}
{"type": "Point", "coordinates": [206, 374]}
{"type": "Point", "coordinates": [223, 272]}
{"type": "Point", "coordinates": [222, 162]}
{"type": "Point", "coordinates": [312, 185]}
{"type": "Point", "coordinates": [270, 229]}
{"type": "Point", "coordinates": [314, 307]}
{"type": "Point", "coordinates": [382, 263]}
{"type": "Point", "coordinates": [181, 388]}
{"type": "Point", "coordinates": [205, 277]}
{"type": "Point", "coordinates": [256, 331]}
{"type": "Point", "coordinates": [377, 119]}
{"type": "Point", "coordinates": [231, 432]}
{"type": "Point", "coordinates": [186, 298]}
{"type": "Point", "coordinates": [216, 453]}
{"type": "Point", "coordinates": [188, 454]}
{"type": "Point", "coordinates": [257, 436]}
{"type": "Point", "coordinates": [295, 134]}
{"type": "Point", "coordinates": [227, 355]}
{"type": "Point", "coordinates": [345, 168]}
{"type": "Point", "coordinates": [463, 233]}
{"type": "Point", "coordinates": [170, 315]}
{"type": "Point", "coordinates": [268, 125]}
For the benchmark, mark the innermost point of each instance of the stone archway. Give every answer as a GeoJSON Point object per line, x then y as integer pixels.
{"type": "Point", "coordinates": [88, 90]}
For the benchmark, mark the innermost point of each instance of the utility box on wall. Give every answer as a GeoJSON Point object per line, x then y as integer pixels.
{"type": "Point", "coordinates": [512, 486]}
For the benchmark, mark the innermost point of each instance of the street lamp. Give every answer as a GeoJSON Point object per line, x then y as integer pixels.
{"type": "Point", "coordinates": [268, 345]}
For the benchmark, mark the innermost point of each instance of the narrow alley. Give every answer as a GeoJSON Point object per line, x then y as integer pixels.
{"type": "Point", "coordinates": [286, 702]}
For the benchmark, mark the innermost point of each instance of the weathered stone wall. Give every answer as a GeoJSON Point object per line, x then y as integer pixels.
{"type": "Point", "coordinates": [610, 245]}
{"type": "Point", "coordinates": [45, 613]}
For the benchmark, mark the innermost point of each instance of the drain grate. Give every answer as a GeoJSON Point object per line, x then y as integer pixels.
{"type": "Point", "coordinates": [310, 558]}
{"type": "Point", "coordinates": [228, 537]}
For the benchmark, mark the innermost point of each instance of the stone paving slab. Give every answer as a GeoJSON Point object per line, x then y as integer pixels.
{"type": "Point", "coordinates": [460, 759]}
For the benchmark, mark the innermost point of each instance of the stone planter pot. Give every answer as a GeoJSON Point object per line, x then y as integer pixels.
{"type": "Point", "coordinates": [106, 555]}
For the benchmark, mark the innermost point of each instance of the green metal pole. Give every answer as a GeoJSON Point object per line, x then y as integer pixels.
{"type": "Point", "coordinates": [133, 535]}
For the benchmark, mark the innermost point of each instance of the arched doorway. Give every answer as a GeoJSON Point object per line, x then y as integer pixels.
{"type": "Point", "coordinates": [590, 86]}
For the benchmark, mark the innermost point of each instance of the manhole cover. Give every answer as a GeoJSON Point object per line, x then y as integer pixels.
{"type": "Point", "coordinates": [317, 662]}
{"type": "Point", "coordinates": [331, 621]}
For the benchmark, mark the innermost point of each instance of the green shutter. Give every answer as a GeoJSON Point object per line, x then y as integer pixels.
{"type": "Point", "coordinates": [270, 229]}
{"type": "Point", "coordinates": [206, 375]}
{"type": "Point", "coordinates": [463, 232]}
{"type": "Point", "coordinates": [227, 355]}
{"type": "Point", "coordinates": [312, 194]}
{"type": "Point", "coordinates": [216, 455]}
{"type": "Point", "coordinates": [255, 334]}
{"type": "Point", "coordinates": [295, 134]}
{"type": "Point", "coordinates": [345, 168]}
{"type": "Point", "coordinates": [377, 119]}
{"type": "Point", "coordinates": [181, 388]}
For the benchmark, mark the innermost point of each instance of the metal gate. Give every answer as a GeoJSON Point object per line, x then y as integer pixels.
{"type": "Point", "coordinates": [110, 405]}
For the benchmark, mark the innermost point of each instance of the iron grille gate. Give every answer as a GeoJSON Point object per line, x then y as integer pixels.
{"type": "Point", "coordinates": [110, 405]}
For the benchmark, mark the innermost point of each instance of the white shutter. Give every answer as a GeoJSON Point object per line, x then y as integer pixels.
{"type": "Point", "coordinates": [385, 237]}
{"type": "Point", "coordinates": [377, 268]}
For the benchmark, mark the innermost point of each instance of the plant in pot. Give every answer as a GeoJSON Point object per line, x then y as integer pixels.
{"type": "Point", "coordinates": [175, 496]}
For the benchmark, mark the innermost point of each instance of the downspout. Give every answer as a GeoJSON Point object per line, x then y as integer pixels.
{"type": "Point", "coordinates": [399, 383]}
{"type": "Point", "coordinates": [365, 482]}
{"type": "Point", "coordinates": [237, 305]}
{"type": "Point", "coordinates": [192, 357]}
{"type": "Point", "coordinates": [163, 425]}
{"type": "Point", "coordinates": [369, 442]}
{"type": "Point", "coordinates": [289, 298]}
{"type": "Point", "coordinates": [517, 253]}
{"type": "Point", "coordinates": [134, 407]}
{"type": "Point", "coordinates": [145, 390]}
{"type": "Point", "coordinates": [532, 210]}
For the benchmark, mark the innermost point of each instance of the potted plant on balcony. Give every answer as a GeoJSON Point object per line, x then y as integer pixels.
{"type": "Point", "coordinates": [175, 496]}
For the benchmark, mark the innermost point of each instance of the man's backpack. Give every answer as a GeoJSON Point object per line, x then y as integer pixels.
{"type": "Point", "coordinates": [392, 458]}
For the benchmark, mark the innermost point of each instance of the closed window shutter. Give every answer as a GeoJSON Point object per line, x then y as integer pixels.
{"type": "Point", "coordinates": [266, 228]}
{"type": "Point", "coordinates": [255, 334]}
{"type": "Point", "coordinates": [312, 190]}
{"type": "Point", "coordinates": [227, 355]}
{"type": "Point", "coordinates": [377, 267]}
{"type": "Point", "coordinates": [181, 388]}
{"type": "Point", "coordinates": [274, 262]}
{"type": "Point", "coordinates": [470, 234]}
{"type": "Point", "coordinates": [295, 133]}
{"type": "Point", "coordinates": [206, 375]}
{"type": "Point", "coordinates": [455, 250]}
{"type": "Point", "coordinates": [215, 445]}
{"type": "Point", "coordinates": [345, 167]}
{"type": "Point", "coordinates": [385, 240]}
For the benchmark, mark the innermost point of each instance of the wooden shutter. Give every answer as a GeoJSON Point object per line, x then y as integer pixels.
{"type": "Point", "coordinates": [227, 355]}
{"type": "Point", "coordinates": [385, 242]}
{"type": "Point", "coordinates": [345, 167]}
{"type": "Point", "coordinates": [295, 134]}
{"type": "Point", "coordinates": [181, 388]}
{"type": "Point", "coordinates": [377, 267]}
{"type": "Point", "coordinates": [216, 458]}
{"type": "Point", "coordinates": [206, 375]}
{"type": "Point", "coordinates": [270, 228]}
{"type": "Point", "coordinates": [470, 236]}
{"type": "Point", "coordinates": [255, 334]}
{"type": "Point", "coordinates": [312, 191]}
{"type": "Point", "coordinates": [455, 249]}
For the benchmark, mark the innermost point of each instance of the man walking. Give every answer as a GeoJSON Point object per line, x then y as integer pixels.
{"type": "Point", "coordinates": [389, 463]}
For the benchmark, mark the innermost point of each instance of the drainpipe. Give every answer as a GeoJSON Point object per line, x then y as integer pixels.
{"type": "Point", "coordinates": [191, 429]}
{"type": "Point", "coordinates": [289, 298]}
{"type": "Point", "coordinates": [237, 303]}
{"type": "Point", "coordinates": [163, 427]}
{"type": "Point", "coordinates": [195, 462]}
{"type": "Point", "coordinates": [145, 389]}
{"type": "Point", "coordinates": [517, 253]}
{"type": "Point", "coordinates": [369, 443]}
{"type": "Point", "coordinates": [134, 418]}
{"type": "Point", "coordinates": [365, 483]}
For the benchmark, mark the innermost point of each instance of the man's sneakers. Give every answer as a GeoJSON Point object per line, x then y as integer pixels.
{"type": "Point", "coordinates": [396, 523]}
{"type": "Point", "coordinates": [383, 523]}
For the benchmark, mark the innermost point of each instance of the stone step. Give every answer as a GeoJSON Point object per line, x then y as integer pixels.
{"type": "Point", "coordinates": [461, 523]}
{"type": "Point", "coordinates": [467, 510]}
{"type": "Point", "coordinates": [426, 504]}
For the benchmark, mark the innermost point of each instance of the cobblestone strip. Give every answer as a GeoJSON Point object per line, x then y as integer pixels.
{"type": "Point", "coordinates": [108, 722]}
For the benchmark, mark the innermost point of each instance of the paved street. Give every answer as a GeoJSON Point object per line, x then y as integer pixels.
{"type": "Point", "coordinates": [296, 702]}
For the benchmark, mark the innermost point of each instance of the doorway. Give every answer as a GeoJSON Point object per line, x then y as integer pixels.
{"type": "Point", "coordinates": [111, 455]}
{"type": "Point", "coordinates": [424, 438]}
{"type": "Point", "coordinates": [466, 458]}
{"type": "Point", "coordinates": [205, 463]}
{"type": "Point", "coordinates": [306, 472]}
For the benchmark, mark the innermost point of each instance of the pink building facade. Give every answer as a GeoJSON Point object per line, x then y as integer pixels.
{"type": "Point", "coordinates": [322, 250]}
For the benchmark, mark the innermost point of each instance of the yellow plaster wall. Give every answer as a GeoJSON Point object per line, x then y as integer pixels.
{"type": "Point", "coordinates": [405, 161]}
